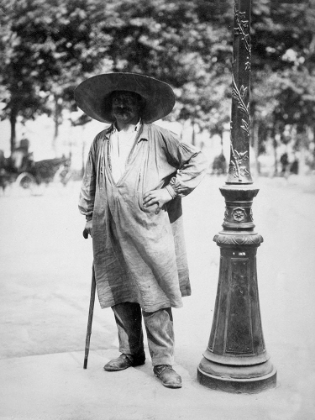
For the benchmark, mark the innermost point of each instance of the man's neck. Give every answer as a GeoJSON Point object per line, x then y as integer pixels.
{"type": "Point", "coordinates": [125, 127]}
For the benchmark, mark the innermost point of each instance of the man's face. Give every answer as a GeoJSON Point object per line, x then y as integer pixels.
{"type": "Point", "coordinates": [125, 108]}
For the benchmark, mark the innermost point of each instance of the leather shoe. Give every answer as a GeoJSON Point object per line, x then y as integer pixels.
{"type": "Point", "coordinates": [168, 376]}
{"type": "Point", "coordinates": [124, 361]}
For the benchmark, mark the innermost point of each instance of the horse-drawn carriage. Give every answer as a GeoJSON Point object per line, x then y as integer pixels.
{"type": "Point", "coordinates": [25, 173]}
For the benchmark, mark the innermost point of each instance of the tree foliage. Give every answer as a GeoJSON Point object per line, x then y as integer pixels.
{"type": "Point", "coordinates": [283, 85]}
{"type": "Point", "coordinates": [48, 47]}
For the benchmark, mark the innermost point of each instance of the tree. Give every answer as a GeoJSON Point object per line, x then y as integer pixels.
{"type": "Point", "coordinates": [64, 42]}
{"type": "Point", "coordinates": [184, 43]}
{"type": "Point", "coordinates": [47, 47]}
{"type": "Point", "coordinates": [283, 68]}
{"type": "Point", "coordinates": [18, 71]}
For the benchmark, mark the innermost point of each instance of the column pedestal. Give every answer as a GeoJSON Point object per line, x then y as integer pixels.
{"type": "Point", "coordinates": [236, 359]}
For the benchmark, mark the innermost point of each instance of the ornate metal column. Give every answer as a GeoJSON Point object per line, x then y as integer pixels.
{"type": "Point", "coordinates": [236, 359]}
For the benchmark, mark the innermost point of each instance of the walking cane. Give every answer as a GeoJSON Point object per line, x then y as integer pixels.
{"type": "Point", "coordinates": [91, 310]}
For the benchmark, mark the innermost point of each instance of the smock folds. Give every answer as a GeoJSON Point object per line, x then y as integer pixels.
{"type": "Point", "coordinates": [139, 252]}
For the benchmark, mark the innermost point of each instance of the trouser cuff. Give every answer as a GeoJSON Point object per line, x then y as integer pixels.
{"type": "Point", "coordinates": [156, 361]}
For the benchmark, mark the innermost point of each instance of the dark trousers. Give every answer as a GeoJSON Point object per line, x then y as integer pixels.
{"type": "Point", "coordinates": [159, 329]}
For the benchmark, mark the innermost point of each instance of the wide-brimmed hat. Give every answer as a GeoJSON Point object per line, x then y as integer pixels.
{"type": "Point", "coordinates": [93, 95]}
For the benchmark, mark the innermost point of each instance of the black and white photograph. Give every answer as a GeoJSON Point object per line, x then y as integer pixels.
{"type": "Point", "coordinates": [157, 196]}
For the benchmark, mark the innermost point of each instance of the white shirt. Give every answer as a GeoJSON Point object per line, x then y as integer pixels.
{"type": "Point", "coordinates": [121, 143]}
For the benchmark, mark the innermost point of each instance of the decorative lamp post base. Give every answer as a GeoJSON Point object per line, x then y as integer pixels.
{"type": "Point", "coordinates": [236, 359]}
{"type": "Point", "coordinates": [237, 379]}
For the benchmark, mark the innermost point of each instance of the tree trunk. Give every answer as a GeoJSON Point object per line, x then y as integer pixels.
{"type": "Point", "coordinates": [193, 136]}
{"type": "Point", "coordinates": [221, 142]}
{"type": "Point", "coordinates": [302, 140]}
{"type": "Point", "coordinates": [274, 143]}
{"type": "Point", "coordinates": [256, 146]}
{"type": "Point", "coordinates": [57, 112]}
{"type": "Point", "coordinates": [83, 153]}
{"type": "Point", "coordinates": [13, 130]}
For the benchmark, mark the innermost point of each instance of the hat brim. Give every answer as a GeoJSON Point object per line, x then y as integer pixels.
{"type": "Point", "coordinates": [92, 95]}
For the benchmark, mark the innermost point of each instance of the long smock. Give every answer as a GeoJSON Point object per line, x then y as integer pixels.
{"type": "Point", "coordinates": [139, 252]}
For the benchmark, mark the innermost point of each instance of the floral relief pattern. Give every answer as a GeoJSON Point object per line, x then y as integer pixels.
{"type": "Point", "coordinates": [238, 214]}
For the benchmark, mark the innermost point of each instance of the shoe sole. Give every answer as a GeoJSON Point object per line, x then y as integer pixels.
{"type": "Point", "coordinates": [172, 386]}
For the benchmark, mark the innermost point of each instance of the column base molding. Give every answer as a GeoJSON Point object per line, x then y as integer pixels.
{"type": "Point", "coordinates": [237, 379]}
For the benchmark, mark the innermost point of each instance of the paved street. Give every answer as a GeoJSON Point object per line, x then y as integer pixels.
{"type": "Point", "coordinates": [45, 270]}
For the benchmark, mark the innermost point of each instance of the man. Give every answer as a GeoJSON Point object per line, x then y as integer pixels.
{"type": "Point", "coordinates": [131, 195]}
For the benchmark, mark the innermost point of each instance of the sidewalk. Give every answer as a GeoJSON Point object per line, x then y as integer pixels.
{"type": "Point", "coordinates": [44, 289]}
{"type": "Point", "coordinates": [55, 387]}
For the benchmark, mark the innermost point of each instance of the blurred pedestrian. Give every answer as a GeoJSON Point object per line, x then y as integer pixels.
{"type": "Point", "coordinates": [285, 164]}
{"type": "Point", "coordinates": [219, 165]}
{"type": "Point", "coordinates": [135, 177]}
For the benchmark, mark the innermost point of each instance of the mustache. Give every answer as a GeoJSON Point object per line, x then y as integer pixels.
{"type": "Point", "coordinates": [121, 109]}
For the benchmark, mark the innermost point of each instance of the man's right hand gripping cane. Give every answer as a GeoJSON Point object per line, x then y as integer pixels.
{"type": "Point", "coordinates": [88, 229]}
